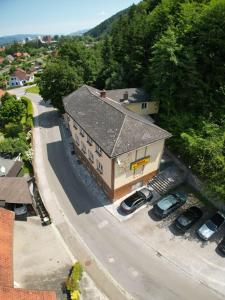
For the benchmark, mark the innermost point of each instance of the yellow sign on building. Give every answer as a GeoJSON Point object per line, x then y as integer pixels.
{"type": "Point", "coordinates": [139, 163]}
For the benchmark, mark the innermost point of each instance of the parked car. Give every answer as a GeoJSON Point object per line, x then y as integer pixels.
{"type": "Point", "coordinates": [221, 246]}
{"type": "Point", "coordinates": [168, 204]}
{"type": "Point", "coordinates": [211, 226]}
{"type": "Point", "coordinates": [20, 209]}
{"type": "Point", "coordinates": [136, 200]}
{"type": "Point", "coordinates": [188, 218]}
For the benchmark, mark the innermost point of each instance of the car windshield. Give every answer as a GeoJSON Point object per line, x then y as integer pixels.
{"type": "Point", "coordinates": [130, 200]}
{"type": "Point", "coordinates": [211, 225]}
{"type": "Point", "coordinates": [167, 202]}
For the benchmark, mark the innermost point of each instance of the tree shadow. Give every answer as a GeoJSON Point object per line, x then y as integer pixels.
{"type": "Point", "coordinates": [47, 119]}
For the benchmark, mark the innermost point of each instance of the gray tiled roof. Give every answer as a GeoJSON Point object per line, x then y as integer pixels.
{"type": "Point", "coordinates": [114, 128]}
{"type": "Point", "coordinates": [134, 95]}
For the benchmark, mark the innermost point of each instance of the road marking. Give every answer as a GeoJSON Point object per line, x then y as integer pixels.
{"type": "Point", "coordinates": [111, 259]}
{"type": "Point", "coordinates": [103, 224]}
{"type": "Point", "coordinates": [134, 272]}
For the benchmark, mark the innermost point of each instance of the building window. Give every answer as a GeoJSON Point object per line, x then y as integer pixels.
{"type": "Point", "coordinates": [12, 78]}
{"type": "Point", "coordinates": [82, 132]}
{"type": "Point", "coordinates": [83, 148]}
{"type": "Point", "coordinates": [76, 139]}
{"type": "Point", "coordinates": [89, 140]}
{"type": "Point", "coordinates": [98, 150]}
{"type": "Point", "coordinates": [144, 105]}
{"type": "Point", "coordinates": [90, 156]}
{"type": "Point", "coordinates": [75, 125]}
{"type": "Point", "coordinates": [99, 167]}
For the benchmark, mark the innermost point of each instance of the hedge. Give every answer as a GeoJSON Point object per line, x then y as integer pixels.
{"type": "Point", "coordinates": [29, 107]}
{"type": "Point", "coordinates": [72, 283]}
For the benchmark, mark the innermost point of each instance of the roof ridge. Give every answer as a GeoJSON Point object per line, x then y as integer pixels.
{"type": "Point", "coordinates": [99, 97]}
{"type": "Point", "coordinates": [118, 136]}
{"type": "Point", "coordinates": [127, 113]}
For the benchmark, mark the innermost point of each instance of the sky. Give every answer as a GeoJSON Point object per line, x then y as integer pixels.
{"type": "Point", "coordinates": [55, 16]}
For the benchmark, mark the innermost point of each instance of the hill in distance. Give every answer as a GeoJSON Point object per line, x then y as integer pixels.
{"type": "Point", "coordinates": [9, 39]}
{"type": "Point", "coordinates": [79, 32]}
{"type": "Point", "coordinates": [106, 26]}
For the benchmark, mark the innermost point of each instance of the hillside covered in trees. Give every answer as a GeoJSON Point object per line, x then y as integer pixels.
{"type": "Point", "coordinates": [176, 51]}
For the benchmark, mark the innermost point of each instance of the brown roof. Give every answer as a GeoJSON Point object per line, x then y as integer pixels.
{"type": "Point", "coordinates": [6, 248]}
{"type": "Point", "coordinates": [21, 74]}
{"type": "Point", "coordinates": [2, 93]}
{"type": "Point", "coordinates": [15, 190]}
{"type": "Point", "coordinates": [21, 294]}
{"type": "Point", "coordinates": [17, 54]}
{"type": "Point", "coordinates": [14, 171]}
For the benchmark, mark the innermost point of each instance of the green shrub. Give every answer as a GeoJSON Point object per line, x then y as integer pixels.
{"type": "Point", "coordinates": [29, 115]}
{"type": "Point", "coordinates": [72, 283]}
{"type": "Point", "coordinates": [29, 122]}
{"type": "Point", "coordinates": [75, 295]}
{"type": "Point", "coordinates": [26, 101]}
{"type": "Point", "coordinates": [12, 129]}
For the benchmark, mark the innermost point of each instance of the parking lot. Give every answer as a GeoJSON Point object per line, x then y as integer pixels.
{"type": "Point", "coordinates": [198, 259]}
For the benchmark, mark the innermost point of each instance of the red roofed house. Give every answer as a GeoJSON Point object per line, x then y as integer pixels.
{"type": "Point", "coordinates": [7, 290]}
{"type": "Point", "coordinates": [20, 77]}
{"type": "Point", "coordinates": [2, 93]}
{"type": "Point", "coordinates": [17, 54]}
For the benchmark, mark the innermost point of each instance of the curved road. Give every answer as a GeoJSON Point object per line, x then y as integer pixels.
{"type": "Point", "coordinates": [131, 263]}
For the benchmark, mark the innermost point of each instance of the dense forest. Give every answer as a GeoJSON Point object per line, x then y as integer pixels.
{"type": "Point", "coordinates": [176, 51]}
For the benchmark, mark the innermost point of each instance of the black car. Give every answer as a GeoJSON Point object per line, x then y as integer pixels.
{"type": "Point", "coordinates": [136, 200]}
{"type": "Point", "coordinates": [168, 204]}
{"type": "Point", "coordinates": [188, 218]}
{"type": "Point", "coordinates": [221, 246]}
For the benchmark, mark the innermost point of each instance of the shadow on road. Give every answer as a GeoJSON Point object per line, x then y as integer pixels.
{"type": "Point", "coordinates": [77, 192]}
{"type": "Point", "coordinates": [47, 119]}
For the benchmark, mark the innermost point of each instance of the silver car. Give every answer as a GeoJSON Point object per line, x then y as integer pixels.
{"type": "Point", "coordinates": [211, 226]}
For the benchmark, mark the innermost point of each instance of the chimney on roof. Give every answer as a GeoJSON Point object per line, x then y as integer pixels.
{"type": "Point", "coordinates": [103, 94]}
{"type": "Point", "coordinates": [125, 96]}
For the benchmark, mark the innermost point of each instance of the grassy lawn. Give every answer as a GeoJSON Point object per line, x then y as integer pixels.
{"type": "Point", "coordinates": [33, 89]}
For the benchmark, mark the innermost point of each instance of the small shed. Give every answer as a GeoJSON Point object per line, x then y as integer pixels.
{"type": "Point", "coordinates": [14, 190]}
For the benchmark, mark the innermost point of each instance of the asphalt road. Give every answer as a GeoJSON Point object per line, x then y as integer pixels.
{"type": "Point", "coordinates": [137, 267]}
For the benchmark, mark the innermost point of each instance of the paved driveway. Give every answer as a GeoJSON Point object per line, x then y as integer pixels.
{"type": "Point", "coordinates": [132, 263]}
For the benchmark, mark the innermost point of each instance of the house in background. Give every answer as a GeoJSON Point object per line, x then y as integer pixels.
{"type": "Point", "coordinates": [136, 100]}
{"type": "Point", "coordinates": [121, 149]}
{"type": "Point", "coordinates": [20, 77]}
{"type": "Point", "coordinates": [10, 58]}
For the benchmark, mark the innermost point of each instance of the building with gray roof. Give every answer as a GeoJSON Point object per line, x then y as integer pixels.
{"type": "Point", "coordinates": [121, 147]}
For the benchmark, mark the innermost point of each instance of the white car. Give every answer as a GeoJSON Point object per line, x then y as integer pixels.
{"type": "Point", "coordinates": [20, 209]}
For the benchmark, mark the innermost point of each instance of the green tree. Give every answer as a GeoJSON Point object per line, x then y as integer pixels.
{"type": "Point", "coordinates": [58, 80]}
{"type": "Point", "coordinates": [11, 110]}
